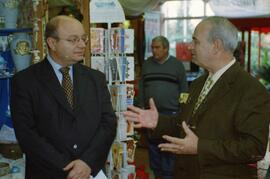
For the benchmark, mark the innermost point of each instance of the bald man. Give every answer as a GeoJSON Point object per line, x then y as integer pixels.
{"type": "Point", "coordinates": [61, 110]}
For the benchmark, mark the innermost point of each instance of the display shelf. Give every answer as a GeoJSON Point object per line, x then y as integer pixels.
{"type": "Point", "coordinates": [10, 151]}
{"type": "Point", "coordinates": [6, 32]}
{"type": "Point", "coordinates": [5, 76]}
{"type": "Point", "coordinates": [110, 48]}
{"type": "Point", "coordinates": [7, 134]}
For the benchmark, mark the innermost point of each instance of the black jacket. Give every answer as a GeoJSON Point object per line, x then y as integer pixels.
{"type": "Point", "coordinates": [49, 132]}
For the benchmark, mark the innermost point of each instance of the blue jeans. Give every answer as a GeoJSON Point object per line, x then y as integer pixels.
{"type": "Point", "coordinates": [162, 163]}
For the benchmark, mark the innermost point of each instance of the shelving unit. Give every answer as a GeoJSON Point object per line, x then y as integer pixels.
{"type": "Point", "coordinates": [109, 55]}
{"type": "Point", "coordinates": [5, 75]}
{"type": "Point", "coordinates": [39, 14]}
{"type": "Point", "coordinates": [9, 149]}
{"type": "Point", "coordinates": [6, 32]}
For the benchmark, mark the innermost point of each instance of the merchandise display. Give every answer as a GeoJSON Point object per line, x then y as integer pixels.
{"type": "Point", "coordinates": [21, 45]}
{"type": "Point", "coordinates": [18, 39]}
{"type": "Point", "coordinates": [110, 53]}
{"type": "Point", "coordinates": [11, 48]}
{"type": "Point", "coordinates": [97, 40]}
{"type": "Point", "coordinates": [122, 40]}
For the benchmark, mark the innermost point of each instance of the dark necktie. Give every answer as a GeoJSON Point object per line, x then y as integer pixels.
{"type": "Point", "coordinates": [203, 93]}
{"type": "Point", "coordinates": [67, 85]}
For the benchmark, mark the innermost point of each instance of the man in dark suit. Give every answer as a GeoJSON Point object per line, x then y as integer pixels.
{"type": "Point", "coordinates": [223, 127]}
{"type": "Point", "coordinates": [64, 122]}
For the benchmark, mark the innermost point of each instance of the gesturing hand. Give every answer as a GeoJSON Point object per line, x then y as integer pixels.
{"type": "Point", "coordinates": [187, 145]}
{"type": "Point", "coordinates": [143, 118]}
{"type": "Point", "coordinates": [78, 169]}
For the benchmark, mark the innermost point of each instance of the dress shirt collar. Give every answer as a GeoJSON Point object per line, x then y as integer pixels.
{"type": "Point", "coordinates": [56, 68]}
{"type": "Point", "coordinates": [220, 72]}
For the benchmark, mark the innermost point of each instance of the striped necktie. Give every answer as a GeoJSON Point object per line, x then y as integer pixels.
{"type": "Point", "coordinates": [206, 88]}
{"type": "Point", "coordinates": [67, 85]}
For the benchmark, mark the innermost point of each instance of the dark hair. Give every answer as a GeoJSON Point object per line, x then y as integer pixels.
{"type": "Point", "coordinates": [164, 41]}
{"type": "Point", "coordinates": [72, 11]}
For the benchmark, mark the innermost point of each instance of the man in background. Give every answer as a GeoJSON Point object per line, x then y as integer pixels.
{"type": "Point", "coordinates": [163, 78]}
{"type": "Point", "coordinates": [223, 126]}
{"type": "Point", "coordinates": [61, 110]}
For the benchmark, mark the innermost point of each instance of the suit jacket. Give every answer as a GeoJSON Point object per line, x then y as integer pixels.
{"type": "Point", "coordinates": [231, 124]}
{"type": "Point", "coordinates": [49, 132]}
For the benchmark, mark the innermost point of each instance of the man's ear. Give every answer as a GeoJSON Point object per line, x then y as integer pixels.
{"type": "Point", "coordinates": [167, 50]}
{"type": "Point", "coordinates": [51, 43]}
{"type": "Point", "coordinates": [217, 45]}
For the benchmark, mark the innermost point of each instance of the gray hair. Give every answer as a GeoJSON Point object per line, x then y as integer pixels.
{"type": "Point", "coordinates": [164, 41]}
{"type": "Point", "coordinates": [223, 29]}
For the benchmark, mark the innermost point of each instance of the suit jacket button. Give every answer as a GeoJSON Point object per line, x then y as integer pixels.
{"type": "Point", "coordinates": [75, 146]}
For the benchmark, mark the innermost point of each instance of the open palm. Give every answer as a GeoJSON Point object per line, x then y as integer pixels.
{"type": "Point", "coordinates": [143, 118]}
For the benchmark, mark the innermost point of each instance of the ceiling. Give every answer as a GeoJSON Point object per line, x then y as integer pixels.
{"type": "Point", "coordinates": [227, 8]}
{"type": "Point", "coordinates": [241, 8]}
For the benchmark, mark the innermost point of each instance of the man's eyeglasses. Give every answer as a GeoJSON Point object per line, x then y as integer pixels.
{"type": "Point", "coordinates": [74, 40]}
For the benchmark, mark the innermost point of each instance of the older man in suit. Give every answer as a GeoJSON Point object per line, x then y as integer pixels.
{"type": "Point", "coordinates": [61, 110]}
{"type": "Point", "coordinates": [223, 127]}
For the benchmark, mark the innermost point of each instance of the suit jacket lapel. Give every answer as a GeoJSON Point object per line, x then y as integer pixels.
{"type": "Point", "coordinates": [221, 87]}
{"type": "Point", "coordinates": [49, 79]}
{"type": "Point", "coordinates": [79, 90]}
{"type": "Point", "coordinates": [82, 88]}
{"type": "Point", "coordinates": [193, 97]}
{"type": "Point", "coordinates": [216, 93]}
